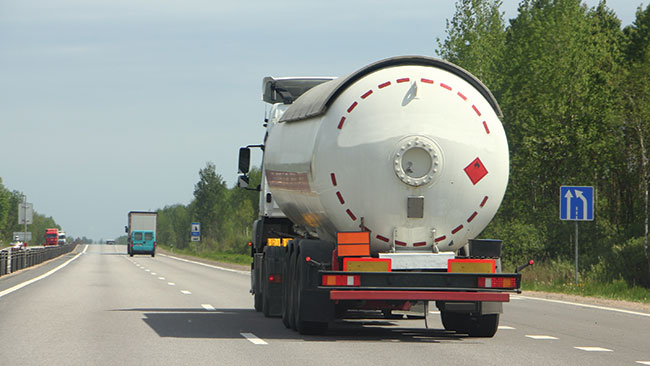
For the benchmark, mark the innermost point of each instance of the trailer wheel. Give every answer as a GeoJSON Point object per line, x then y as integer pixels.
{"type": "Point", "coordinates": [302, 326]}
{"type": "Point", "coordinates": [306, 301]}
{"type": "Point", "coordinates": [455, 322]}
{"type": "Point", "coordinates": [484, 326]}
{"type": "Point", "coordinates": [258, 301]}
{"type": "Point", "coordinates": [288, 316]}
{"type": "Point", "coordinates": [270, 303]}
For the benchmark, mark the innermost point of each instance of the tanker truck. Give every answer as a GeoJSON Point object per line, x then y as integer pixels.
{"type": "Point", "coordinates": [374, 187]}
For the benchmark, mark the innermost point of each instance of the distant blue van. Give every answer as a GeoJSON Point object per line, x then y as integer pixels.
{"type": "Point", "coordinates": [143, 242]}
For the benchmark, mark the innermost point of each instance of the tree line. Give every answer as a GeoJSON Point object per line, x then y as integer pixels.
{"type": "Point", "coordinates": [574, 87]}
{"type": "Point", "coordinates": [225, 214]}
{"type": "Point", "coordinates": [9, 201]}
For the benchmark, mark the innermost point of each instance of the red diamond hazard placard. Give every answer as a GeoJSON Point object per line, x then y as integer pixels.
{"type": "Point", "coordinates": [476, 171]}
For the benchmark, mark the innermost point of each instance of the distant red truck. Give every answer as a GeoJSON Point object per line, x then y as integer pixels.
{"type": "Point", "coordinates": [51, 237]}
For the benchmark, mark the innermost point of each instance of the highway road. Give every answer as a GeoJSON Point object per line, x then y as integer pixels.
{"type": "Point", "coordinates": [105, 308]}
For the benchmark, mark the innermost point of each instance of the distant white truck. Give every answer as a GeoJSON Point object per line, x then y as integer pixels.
{"type": "Point", "coordinates": [62, 239]}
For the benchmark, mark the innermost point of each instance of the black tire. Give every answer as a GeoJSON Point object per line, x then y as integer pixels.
{"type": "Point", "coordinates": [454, 322]}
{"type": "Point", "coordinates": [131, 254]}
{"type": "Point", "coordinates": [484, 326]}
{"type": "Point", "coordinates": [286, 286]}
{"type": "Point", "coordinates": [153, 253]}
{"type": "Point", "coordinates": [301, 269]}
{"type": "Point", "coordinates": [258, 301]}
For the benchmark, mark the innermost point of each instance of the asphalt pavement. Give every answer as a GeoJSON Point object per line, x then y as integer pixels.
{"type": "Point", "coordinates": [102, 307]}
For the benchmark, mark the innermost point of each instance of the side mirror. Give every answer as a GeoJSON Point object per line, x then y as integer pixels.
{"type": "Point", "coordinates": [244, 160]}
{"type": "Point", "coordinates": [242, 181]}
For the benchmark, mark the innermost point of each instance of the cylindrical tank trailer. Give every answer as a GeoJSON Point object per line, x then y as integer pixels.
{"type": "Point", "coordinates": [409, 148]}
{"type": "Point", "coordinates": [372, 186]}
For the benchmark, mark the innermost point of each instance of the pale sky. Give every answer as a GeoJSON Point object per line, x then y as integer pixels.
{"type": "Point", "coordinates": [108, 106]}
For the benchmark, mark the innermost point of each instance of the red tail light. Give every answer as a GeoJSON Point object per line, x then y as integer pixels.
{"type": "Point", "coordinates": [341, 280]}
{"type": "Point", "coordinates": [497, 282]}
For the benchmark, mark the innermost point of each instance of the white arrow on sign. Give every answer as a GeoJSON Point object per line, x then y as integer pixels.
{"type": "Point", "coordinates": [568, 197]}
{"type": "Point", "coordinates": [584, 204]}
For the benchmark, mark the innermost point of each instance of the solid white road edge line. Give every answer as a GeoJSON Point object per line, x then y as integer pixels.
{"type": "Point", "coordinates": [26, 283]}
{"type": "Point", "coordinates": [253, 338]}
{"type": "Point", "coordinates": [205, 265]}
{"type": "Point", "coordinates": [586, 305]}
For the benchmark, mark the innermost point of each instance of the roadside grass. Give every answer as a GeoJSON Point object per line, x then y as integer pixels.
{"type": "Point", "coordinates": [559, 277]}
{"type": "Point", "coordinates": [233, 258]}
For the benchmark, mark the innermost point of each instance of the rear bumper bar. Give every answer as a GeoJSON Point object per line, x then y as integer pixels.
{"type": "Point", "coordinates": [418, 295]}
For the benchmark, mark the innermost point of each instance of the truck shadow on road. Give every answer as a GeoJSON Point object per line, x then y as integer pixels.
{"type": "Point", "coordinates": [230, 323]}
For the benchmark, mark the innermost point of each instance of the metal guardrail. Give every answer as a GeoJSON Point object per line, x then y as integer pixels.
{"type": "Point", "coordinates": [12, 260]}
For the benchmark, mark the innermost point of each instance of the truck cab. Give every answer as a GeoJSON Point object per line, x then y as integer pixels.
{"type": "Point", "coordinates": [51, 237]}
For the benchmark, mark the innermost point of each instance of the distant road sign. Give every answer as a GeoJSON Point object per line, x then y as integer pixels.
{"type": "Point", "coordinates": [23, 236]}
{"type": "Point", "coordinates": [576, 203]}
{"type": "Point", "coordinates": [25, 213]}
{"type": "Point", "coordinates": [195, 231]}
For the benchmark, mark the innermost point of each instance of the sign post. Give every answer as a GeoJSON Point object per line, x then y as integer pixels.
{"type": "Point", "coordinates": [195, 231]}
{"type": "Point", "coordinates": [576, 204]}
{"type": "Point", "coordinates": [25, 215]}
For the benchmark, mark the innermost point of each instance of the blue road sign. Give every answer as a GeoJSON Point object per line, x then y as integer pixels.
{"type": "Point", "coordinates": [576, 203]}
{"type": "Point", "coordinates": [196, 229]}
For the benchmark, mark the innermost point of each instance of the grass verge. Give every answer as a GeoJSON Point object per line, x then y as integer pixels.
{"type": "Point", "coordinates": [559, 277]}
{"type": "Point", "coordinates": [234, 258]}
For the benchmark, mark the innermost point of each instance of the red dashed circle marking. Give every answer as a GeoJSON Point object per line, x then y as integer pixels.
{"type": "Point", "coordinates": [381, 86]}
{"type": "Point", "coordinates": [383, 238]}
{"type": "Point", "coordinates": [341, 123]}
{"type": "Point", "coordinates": [333, 177]}
{"type": "Point", "coordinates": [476, 110]}
{"type": "Point", "coordinates": [366, 95]}
{"type": "Point", "coordinates": [487, 130]}
{"type": "Point", "coordinates": [340, 196]}
{"type": "Point", "coordinates": [457, 229]}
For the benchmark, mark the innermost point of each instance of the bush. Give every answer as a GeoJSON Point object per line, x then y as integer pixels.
{"type": "Point", "coordinates": [521, 241]}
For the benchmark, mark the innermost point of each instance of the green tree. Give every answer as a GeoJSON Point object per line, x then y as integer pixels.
{"type": "Point", "coordinates": [476, 39]}
{"type": "Point", "coordinates": [637, 118]}
{"type": "Point", "coordinates": [211, 196]}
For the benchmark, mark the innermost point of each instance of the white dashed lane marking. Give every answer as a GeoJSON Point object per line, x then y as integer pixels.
{"type": "Point", "coordinates": [185, 292]}
{"type": "Point", "coordinates": [171, 284]}
{"type": "Point", "coordinates": [593, 349]}
{"type": "Point", "coordinates": [253, 338]}
{"type": "Point", "coordinates": [540, 337]}
{"type": "Point", "coordinates": [505, 327]}
{"type": "Point", "coordinates": [208, 307]}
{"type": "Point", "coordinates": [644, 362]}
{"type": "Point", "coordinates": [161, 278]}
